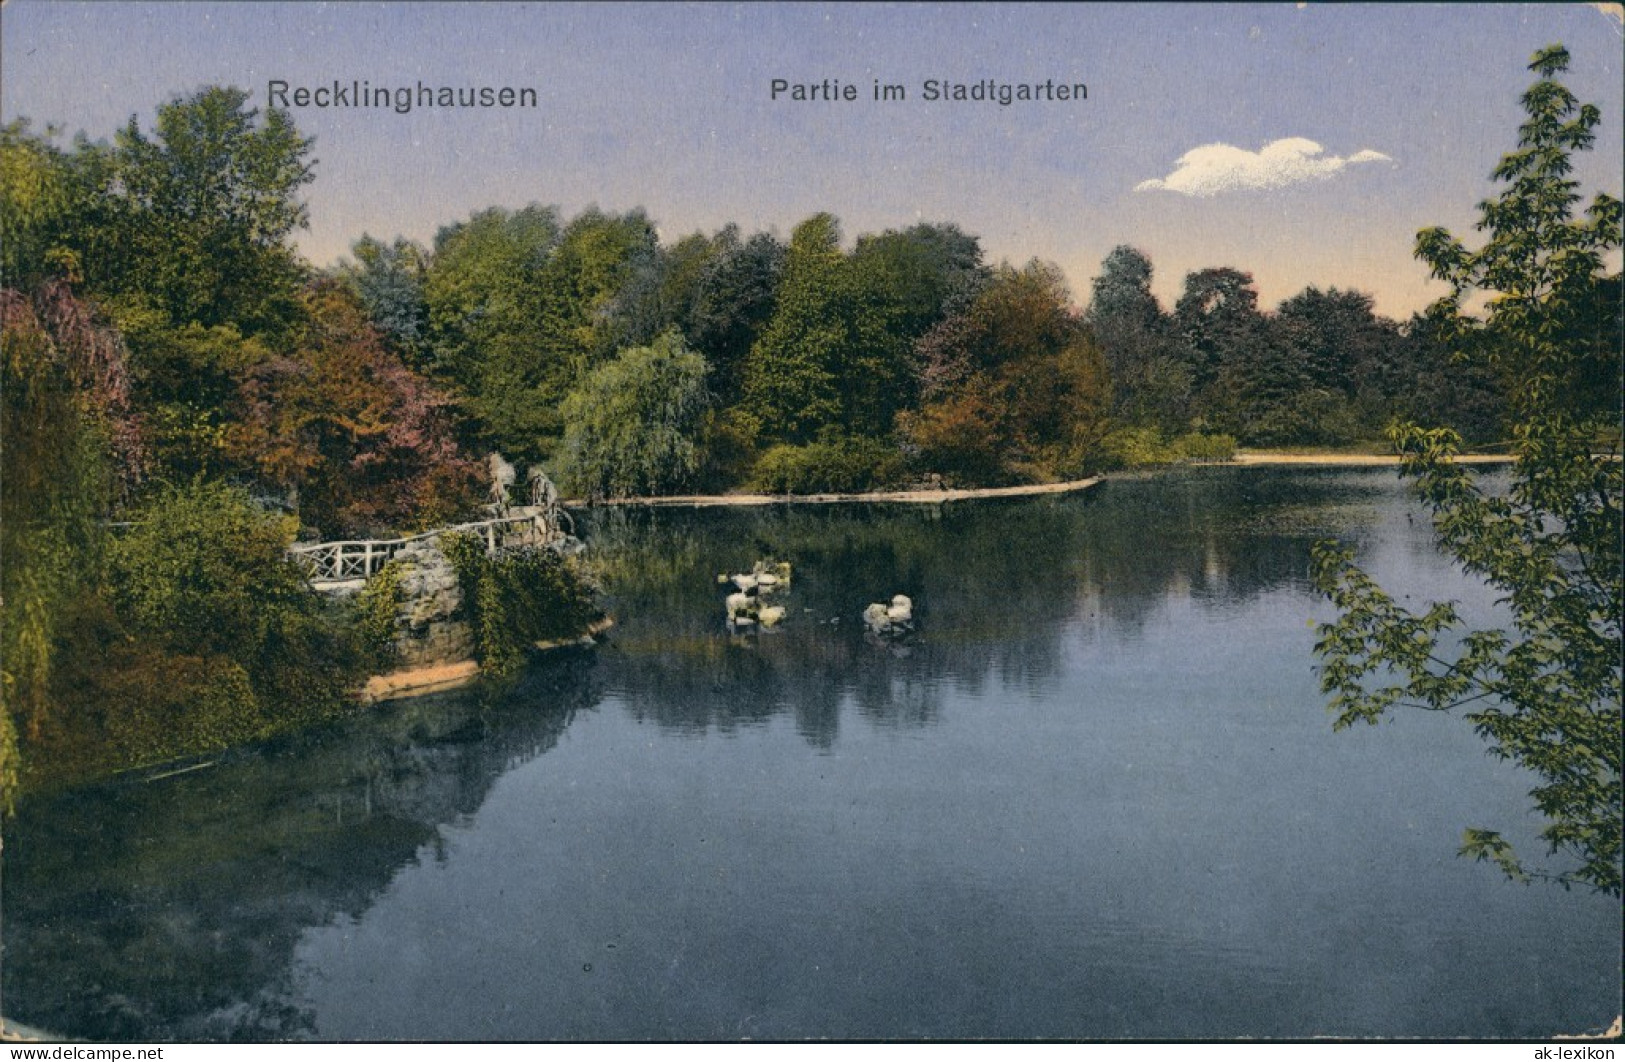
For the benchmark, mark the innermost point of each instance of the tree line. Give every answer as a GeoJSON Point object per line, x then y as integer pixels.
{"type": "Point", "coordinates": [363, 396]}
{"type": "Point", "coordinates": [631, 366]}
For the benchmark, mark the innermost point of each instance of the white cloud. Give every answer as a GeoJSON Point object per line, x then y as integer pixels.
{"type": "Point", "coordinates": [1215, 168]}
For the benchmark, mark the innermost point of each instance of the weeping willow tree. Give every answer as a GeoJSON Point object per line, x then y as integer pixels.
{"type": "Point", "coordinates": [630, 425]}
{"type": "Point", "coordinates": [70, 446]}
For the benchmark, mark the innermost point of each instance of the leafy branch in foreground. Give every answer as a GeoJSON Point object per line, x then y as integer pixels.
{"type": "Point", "coordinates": [1545, 693]}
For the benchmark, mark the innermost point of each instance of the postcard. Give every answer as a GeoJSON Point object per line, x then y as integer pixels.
{"type": "Point", "coordinates": [718, 522]}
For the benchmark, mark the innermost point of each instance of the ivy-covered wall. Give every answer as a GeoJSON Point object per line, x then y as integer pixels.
{"type": "Point", "coordinates": [447, 600]}
{"type": "Point", "coordinates": [517, 597]}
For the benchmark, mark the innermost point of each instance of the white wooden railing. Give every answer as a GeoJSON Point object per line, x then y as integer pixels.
{"type": "Point", "coordinates": [356, 560]}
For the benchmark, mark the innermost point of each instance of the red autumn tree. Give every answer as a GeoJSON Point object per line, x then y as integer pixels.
{"type": "Point", "coordinates": [364, 443]}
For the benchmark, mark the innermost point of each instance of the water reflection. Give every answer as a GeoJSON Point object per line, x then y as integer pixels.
{"type": "Point", "coordinates": [1001, 589]}
{"type": "Point", "coordinates": [170, 910]}
{"type": "Point", "coordinates": [1094, 796]}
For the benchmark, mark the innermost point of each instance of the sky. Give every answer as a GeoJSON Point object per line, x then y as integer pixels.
{"type": "Point", "coordinates": [1303, 143]}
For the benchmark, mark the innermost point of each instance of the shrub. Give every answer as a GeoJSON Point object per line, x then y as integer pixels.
{"type": "Point", "coordinates": [375, 608]}
{"type": "Point", "coordinates": [959, 438]}
{"type": "Point", "coordinates": [1200, 448]}
{"type": "Point", "coordinates": [202, 570]}
{"type": "Point", "coordinates": [1135, 448]}
{"type": "Point", "coordinates": [1141, 447]}
{"type": "Point", "coordinates": [160, 706]}
{"type": "Point", "coordinates": [848, 464]}
{"type": "Point", "coordinates": [202, 575]}
{"type": "Point", "coordinates": [1309, 418]}
{"type": "Point", "coordinates": [728, 448]}
{"type": "Point", "coordinates": [518, 597]}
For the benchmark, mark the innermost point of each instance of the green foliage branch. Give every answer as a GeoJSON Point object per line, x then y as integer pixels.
{"type": "Point", "coordinates": [1546, 692]}
{"type": "Point", "coordinates": [376, 607]}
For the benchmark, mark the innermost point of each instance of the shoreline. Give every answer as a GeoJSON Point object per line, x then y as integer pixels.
{"type": "Point", "coordinates": [405, 683]}
{"type": "Point", "coordinates": [436, 678]}
{"type": "Point", "coordinates": [926, 497]}
{"type": "Point", "coordinates": [931, 497]}
{"type": "Point", "coordinates": [1270, 457]}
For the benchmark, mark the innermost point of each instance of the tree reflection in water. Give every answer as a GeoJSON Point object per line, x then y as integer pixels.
{"type": "Point", "coordinates": [170, 910]}
{"type": "Point", "coordinates": [1000, 589]}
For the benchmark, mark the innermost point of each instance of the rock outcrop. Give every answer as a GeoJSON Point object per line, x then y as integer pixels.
{"type": "Point", "coordinates": [428, 628]}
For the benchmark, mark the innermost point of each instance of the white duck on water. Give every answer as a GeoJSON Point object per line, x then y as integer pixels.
{"type": "Point", "coordinates": [893, 619]}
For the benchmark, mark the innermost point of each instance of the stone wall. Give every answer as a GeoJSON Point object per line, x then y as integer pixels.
{"type": "Point", "coordinates": [428, 632]}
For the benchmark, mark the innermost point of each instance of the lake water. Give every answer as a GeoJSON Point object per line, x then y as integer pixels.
{"type": "Point", "coordinates": [1096, 796]}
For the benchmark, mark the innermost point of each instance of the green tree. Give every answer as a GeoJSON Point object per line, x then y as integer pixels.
{"type": "Point", "coordinates": [901, 284]}
{"type": "Point", "coordinates": [1266, 392]}
{"type": "Point", "coordinates": [1217, 317]}
{"type": "Point", "coordinates": [921, 272]}
{"type": "Point", "coordinates": [1151, 385]}
{"type": "Point", "coordinates": [389, 278]}
{"type": "Point", "coordinates": [185, 380]}
{"type": "Point", "coordinates": [733, 301]}
{"type": "Point", "coordinates": [194, 220]}
{"type": "Point", "coordinates": [734, 296]}
{"type": "Point", "coordinates": [1013, 387]}
{"type": "Point", "coordinates": [631, 424]}
{"type": "Point", "coordinates": [1218, 327]}
{"type": "Point", "coordinates": [1418, 380]}
{"type": "Point", "coordinates": [34, 203]}
{"type": "Point", "coordinates": [1545, 692]}
{"type": "Point", "coordinates": [837, 354]}
{"type": "Point", "coordinates": [660, 289]}
{"type": "Point", "coordinates": [520, 309]}
{"type": "Point", "coordinates": [1121, 295]}
{"type": "Point", "coordinates": [489, 321]}
{"type": "Point", "coordinates": [598, 254]}
{"type": "Point", "coordinates": [791, 380]}
{"type": "Point", "coordinates": [1343, 339]}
